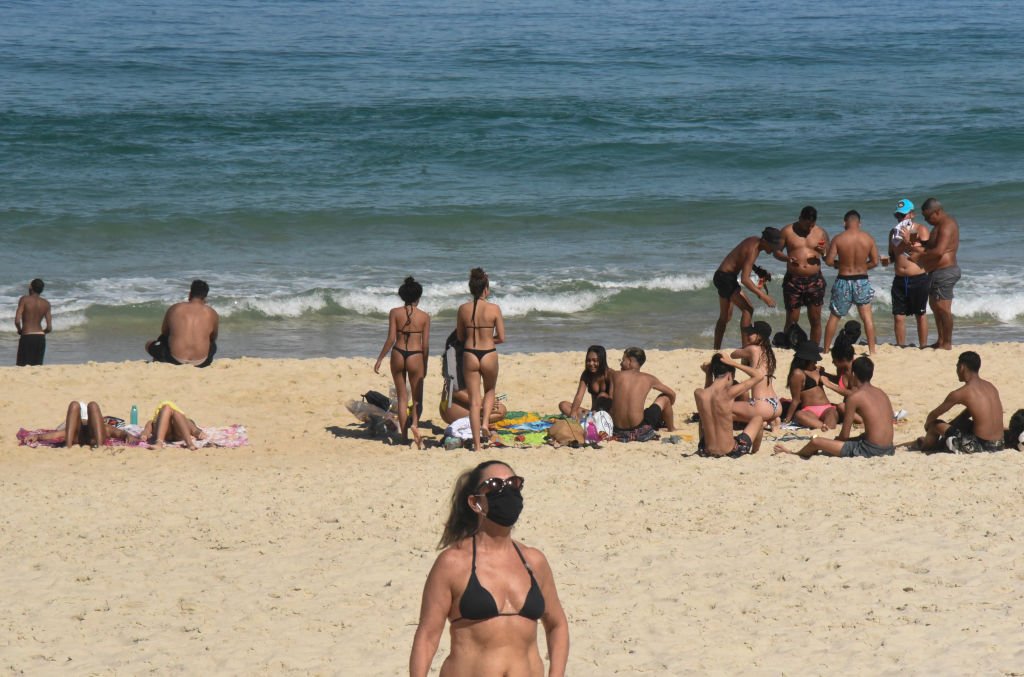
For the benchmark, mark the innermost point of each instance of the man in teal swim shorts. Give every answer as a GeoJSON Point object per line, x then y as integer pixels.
{"type": "Point", "coordinates": [854, 253]}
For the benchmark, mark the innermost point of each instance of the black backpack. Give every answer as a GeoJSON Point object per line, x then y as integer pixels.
{"type": "Point", "coordinates": [377, 399]}
{"type": "Point", "coordinates": [1013, 435]}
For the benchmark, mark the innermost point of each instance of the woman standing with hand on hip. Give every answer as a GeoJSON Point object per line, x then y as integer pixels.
{"type": "Point", "coordinates": [491, 589]}
{"type": "Point", "coordinates": [480, 327]}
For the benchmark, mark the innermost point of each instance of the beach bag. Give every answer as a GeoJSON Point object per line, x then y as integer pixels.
{"type": "Point", "coordinates": [1015, 435]}
{"type": "Point", "coordinates": [377, 399]}
{"type": "Point", "coordinates": [566, 431]}
{"type": "Point", "coordinates": [790, 338]}
{"type": "Point", "coordinates": [597, 426]}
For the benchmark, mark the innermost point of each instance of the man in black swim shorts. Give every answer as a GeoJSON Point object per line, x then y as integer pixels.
{"type": "Point", "coordinates": [740, 261]}
{"type": "Point", "coordinates": [631, 387]}
{"type": "Point", "coordinates": [910, 282]}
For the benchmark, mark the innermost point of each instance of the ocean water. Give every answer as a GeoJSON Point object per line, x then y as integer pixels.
{"type": "Point", "coordinates": [598, 159]}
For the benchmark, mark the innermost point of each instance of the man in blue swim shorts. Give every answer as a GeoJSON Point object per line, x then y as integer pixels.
{"type": "Point", "coordinates": [854, 253]}
{"type": "Point", "coordinates": [937, 256]}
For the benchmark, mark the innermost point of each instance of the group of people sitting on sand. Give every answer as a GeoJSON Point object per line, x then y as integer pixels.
{"type": "Point", "coordinates": [722, 404]}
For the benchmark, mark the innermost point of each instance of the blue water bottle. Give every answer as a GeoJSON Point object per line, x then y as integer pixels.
{"type": "Point", "coordinates": [134, 418]}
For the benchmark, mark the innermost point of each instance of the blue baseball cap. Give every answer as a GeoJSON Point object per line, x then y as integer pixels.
{"type": "Point", "coordinates": [904, 207]}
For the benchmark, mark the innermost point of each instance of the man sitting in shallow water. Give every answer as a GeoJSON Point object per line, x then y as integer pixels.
{"type": "Point", "coordinates": [631, 386]}
{"type": "Point", "coordinates": [874, 408]}
{"type": "Point", "coordinates": [979, 427]}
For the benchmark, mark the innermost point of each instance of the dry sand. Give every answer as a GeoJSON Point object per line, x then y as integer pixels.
{"type": "Point", "coordinates": [306, 551]}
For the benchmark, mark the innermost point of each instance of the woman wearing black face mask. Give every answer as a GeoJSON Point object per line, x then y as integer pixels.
{"type": "Point", "coordinates": [492, 589]}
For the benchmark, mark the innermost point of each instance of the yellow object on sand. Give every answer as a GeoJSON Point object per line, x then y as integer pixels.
{"type": "Point", "coordinates": [165, 403]}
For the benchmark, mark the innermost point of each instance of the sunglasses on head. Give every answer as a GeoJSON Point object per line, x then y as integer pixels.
{"type": "Point", "coordinates": [496, 484]}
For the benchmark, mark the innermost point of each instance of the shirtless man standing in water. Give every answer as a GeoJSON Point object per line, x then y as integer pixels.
{"type": "Point", "coordinates": [188, 334]}
{"type": "Point", "coordinates": [33, 309]}
{"type": "Point", "coordinates": [854, 253]}
{"type": "Point", "coordinates": [740, 261]}
{"type": "Point", "coordinates": [937, 255]}
{"type": "Point", "coordinates": [804, 285]}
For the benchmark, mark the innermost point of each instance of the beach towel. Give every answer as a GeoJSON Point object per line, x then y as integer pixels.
{"type": "Point", "coordinates": [226, 437]}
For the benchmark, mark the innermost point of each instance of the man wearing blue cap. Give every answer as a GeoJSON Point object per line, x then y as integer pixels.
{"type": "Point", "coordinates": [910, 283]}
{"type": "Point", "coordinates": [937, 255]}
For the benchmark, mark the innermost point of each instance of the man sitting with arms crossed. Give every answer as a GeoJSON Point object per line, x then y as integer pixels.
{"type": "Point", "coordinates": [873, 407]}
{"type": "Point", "coordinates": [979, 427]}
{"type": "Point", "coordinates": [634, 423]}
{"type": "Point", "coordinates": [714, 405]}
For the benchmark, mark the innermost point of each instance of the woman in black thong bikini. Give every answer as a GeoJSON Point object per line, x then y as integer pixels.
{"type": "Point", "coordinates": [480, 327]}
{"type": "Point", "coordinates": [491, 589]}
{"type": "Point", "coordinates": [595, 379]}
{"type": "Point", "coordinates": [409, 342]}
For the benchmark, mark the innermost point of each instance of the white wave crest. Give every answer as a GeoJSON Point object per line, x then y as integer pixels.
{"type": "Point", "coordinates": [275, 306]}
{"type": "Point", "coordinates": [665, 282]}
{"type": "Point", "coordinates": [513, 306]}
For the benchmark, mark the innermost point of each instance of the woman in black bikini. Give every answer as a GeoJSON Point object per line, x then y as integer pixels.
{"type": "Point", "coordinates": [480, 327]}
{"type": "Point", "coordinates": [595, 379]}
{"type": "Point", "coordinates": [409, 341]}
{"type": "Point", "coordinates": [491, 589]}
{"type": "Point", "coordinates": [810, 406]}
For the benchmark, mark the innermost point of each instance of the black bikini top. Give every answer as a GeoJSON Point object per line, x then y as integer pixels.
{"type": "Point", "coordinates": [477, 604]}
{"type": "Point", "coordinates": [810, 383]}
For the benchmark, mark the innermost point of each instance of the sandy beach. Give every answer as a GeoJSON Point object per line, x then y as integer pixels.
{"type": "Point", "coordinates": [306, 551]}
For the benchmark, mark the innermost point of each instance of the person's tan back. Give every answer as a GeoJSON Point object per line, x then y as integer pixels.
{"type": "Point", "coordinates": [875, 409]}
{"type": "Point", "coordinates": [481, 324]}
{"type": "Point", "coordinates": [854, 248]}
{"type": "Point", "coordinates": [714, 405]}
{"type": "Point", "coordinates": [32, 308]}
{"type": "Point", "coordinates": [191, 326]}
{"type": "Point", "coordinates": [983, 403]}
{"type": "Point", "coordinates": [631, 389]}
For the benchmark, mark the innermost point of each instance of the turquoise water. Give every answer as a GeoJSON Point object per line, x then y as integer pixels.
{"type": "Point", "coordinates": [597, 159]}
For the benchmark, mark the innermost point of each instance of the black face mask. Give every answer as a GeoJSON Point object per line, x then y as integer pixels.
{"type": "Point", "coordinates": [503, 507]}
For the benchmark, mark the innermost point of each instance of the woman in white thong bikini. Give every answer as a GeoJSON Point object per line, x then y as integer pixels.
{"type": "Point", "coordinates": [763, 400]}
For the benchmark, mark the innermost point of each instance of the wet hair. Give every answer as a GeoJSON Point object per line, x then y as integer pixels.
{"type": "Point", "coordinates": [462, 521]}
{"type": "Point", "coordinates": [971, 360]}
{"type": "Point", "coordinates": [719, 368]}
{"type": "Point", "coordinates": [863, 368]}
{"type": "Point", "coordinates": [930, 205]}
{"type": "Point", "coordinates": [602, 364]}
{"type": "Point", "coordinates": [199, 289]}
{"type": "Point", "coordinates": [478, 282]}
{"type": "Point", "coordinates": [852, 212]}
{"type": "Point", "coordinates": [37, 286]}
{"type": "Point", "coordinates": [637, 354]}
{"type": "Point", "coordinates": [410, 291]}
{"type": "Point", "coordinates": [809, 213]}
